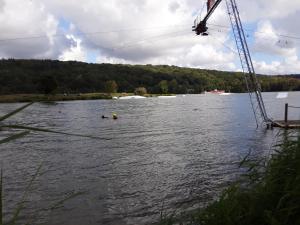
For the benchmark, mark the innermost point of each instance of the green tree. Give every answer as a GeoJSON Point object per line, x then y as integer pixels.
{"type": "Point", "coordinates": [48, 85]}
{"type": "Point", "coordinates": [164, 88]}
{"type": "Point", "coordinates": [173, 86]}
{"type": "Point", "coordinates": [111, 86]}
{"type": "Point", "coordinates": [140, 91]}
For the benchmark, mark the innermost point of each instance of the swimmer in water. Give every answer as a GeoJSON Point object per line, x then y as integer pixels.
{"type": "Point", "coordinates": [114, 116]}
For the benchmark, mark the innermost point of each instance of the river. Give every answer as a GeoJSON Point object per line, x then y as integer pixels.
{"type": "Point", "coordinates": [161, 155]}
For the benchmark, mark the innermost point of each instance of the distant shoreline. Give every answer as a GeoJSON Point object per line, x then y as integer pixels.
{"type": "Point", "coordinates": [16, 98]}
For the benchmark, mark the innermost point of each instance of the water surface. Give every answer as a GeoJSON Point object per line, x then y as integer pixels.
{"type": "Point", "coordinates": [160, 155]}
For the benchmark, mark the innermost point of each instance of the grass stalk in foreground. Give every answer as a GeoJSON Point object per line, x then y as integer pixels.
{"type": "Point", "coordinates": [50, 131]}
{"type": "Point", "coordinates": [20, 206]}
{"type": "Point", "coordinates": [15, 112]}
{"type": "Point", "coordinates": [23, 199]}
{"type": "Point", "coordinates": [28, 129]}
{"type": "Point", "coordinates": [1, 198]}
{"type": "Point", "coordinates": [14, 137]}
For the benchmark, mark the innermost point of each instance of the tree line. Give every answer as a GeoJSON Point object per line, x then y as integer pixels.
{"type": "Point", "coordinates": [52, 76]}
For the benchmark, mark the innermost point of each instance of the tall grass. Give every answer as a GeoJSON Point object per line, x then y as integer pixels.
{"type": "Point", "coordinates": [270, 194]}
{"type": "Point", "coordinates": [2, 118]}
{"type": "Point", "coordinates": [27, 130]}
{"type": "Point", "coordinates": [1, 198]}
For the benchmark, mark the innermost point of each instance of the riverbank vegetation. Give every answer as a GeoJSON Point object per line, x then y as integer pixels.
{"type": "Point", "coordinates": [67, 78]}
{"type": "Point", "coordinates": [269, 194]}
{"type": "Point", "coordinates": [52, 98]}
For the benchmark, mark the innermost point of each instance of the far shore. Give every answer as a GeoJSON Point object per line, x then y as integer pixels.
{"type": "Point", "coordinates": [14, 98]}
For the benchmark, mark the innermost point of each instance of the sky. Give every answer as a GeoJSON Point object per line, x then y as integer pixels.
{"type": "Point", "coordinates": [151, 32]}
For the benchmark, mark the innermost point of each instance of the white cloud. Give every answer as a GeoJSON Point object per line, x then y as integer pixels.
{"type": "Point", "coordinates": [75, 53]}
{"type": "Point", "coordinates": [146, 31]}
{"type": "Point", "coordinates": [261, 9]}
{"type": "Point", "coordinates": [21, 19]}
{"type": "Point", "coordinates": [291, 65]}
{"type": "Point", "coordinates": [1, 5]}
{"type": "Point", "coordinates": [278, 68]}
{"type": "Point", "coordinates": [158, 30]}
{"type": "Point", "coordinates": [268, 41]}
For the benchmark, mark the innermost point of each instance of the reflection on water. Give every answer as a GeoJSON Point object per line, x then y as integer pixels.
{"type": "Point", "coordinates": [174, 154]}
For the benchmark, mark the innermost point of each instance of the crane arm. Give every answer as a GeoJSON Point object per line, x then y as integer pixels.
{"type": "Point", "coordinates": [201, 27]}
{"type": "Point", "coordinates": [252, 83]}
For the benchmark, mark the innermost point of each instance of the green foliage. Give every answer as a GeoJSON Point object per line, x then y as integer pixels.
{"type": "Point", "coordinates": [164, 88]}
{"type": "Point", "coordinates": [173, 86]}
{"type": "Point", "coordinates": [269, 195]}
{"type": "Point", "coordinates": [111, 86]}
{"type": "Point", "coordinates": [48, 85]}
{"type": "Point", "coordinates": [26, 76]}
{"type": "Point", "coordinates": [140, 91]}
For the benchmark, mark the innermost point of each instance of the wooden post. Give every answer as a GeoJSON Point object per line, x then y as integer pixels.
{"type": "Point", "coordinates": [286, 112]}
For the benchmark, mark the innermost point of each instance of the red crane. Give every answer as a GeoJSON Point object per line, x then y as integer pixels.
{"type": "Point", "coordinates": [252, 83]}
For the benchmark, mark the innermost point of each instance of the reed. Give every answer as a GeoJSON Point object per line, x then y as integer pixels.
{"type": "Point", "coordinates": [1, 198]}
{"type": "Point", "coordinates": [20, 206]}
{"type": "Point", "coordinates": [269, 194]}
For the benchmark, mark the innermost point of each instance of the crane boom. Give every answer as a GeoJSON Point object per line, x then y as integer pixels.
{"type": "Point", "coordinates": [252, 83]}
{"type": "Point", "coordinates": [201, 27]}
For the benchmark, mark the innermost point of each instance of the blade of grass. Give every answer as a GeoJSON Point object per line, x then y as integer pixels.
{"type": "Point", "coordinates": [50, 131]}
{"type": "Point", "coordinates": [60, 203]}
{"type": "Point", "coordinates": [22, 202]}
{"type": "Point", "coordinates": [15, 112]}
{"type": "Point", "coordinates": [14, 137]}
{"type": "Point", "coordinates": [57, 205]}
{"type": "Point", "coordinates": [1, 200]}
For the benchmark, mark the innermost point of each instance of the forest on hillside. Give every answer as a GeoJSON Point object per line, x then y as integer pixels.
{"type": "Point", "coordinates": [52, 76]}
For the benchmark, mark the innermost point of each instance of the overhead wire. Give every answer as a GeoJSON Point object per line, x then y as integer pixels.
{"type": "Point", "coordinates": [134, 30]}
{"type": "Point", "coordinates": [91, 33]}
{"type": "Point", "coordinates": [226, 46]}
{"type": "Point", "coordinates": [147, 39]}
{"type": "Point", "coordinates": [230, 48]}
{"type": "Point", "coordinates": [253, 30]}
{"type": "Point", "coordinates": [153, 38]}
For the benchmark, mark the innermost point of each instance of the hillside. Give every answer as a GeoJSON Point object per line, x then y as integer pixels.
{"type": "Point", "coordinates": [31, 76]}
{"type": "Point", "coordinates": [297, 76]}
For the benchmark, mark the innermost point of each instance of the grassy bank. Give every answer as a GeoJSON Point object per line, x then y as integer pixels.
{"type": "Point", "coordinates": [58, 97]}
{"type": "Point", "coordinates": [61, 97]}
{"type": "Point", "coordinates": [268, 195]}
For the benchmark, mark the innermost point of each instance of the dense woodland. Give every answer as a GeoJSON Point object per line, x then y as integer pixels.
{"type": "Point", "coordinates": [48, 76]}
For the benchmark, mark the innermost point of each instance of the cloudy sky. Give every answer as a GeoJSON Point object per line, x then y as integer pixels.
{"type": "Point", "coordinates": [150, 32]}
